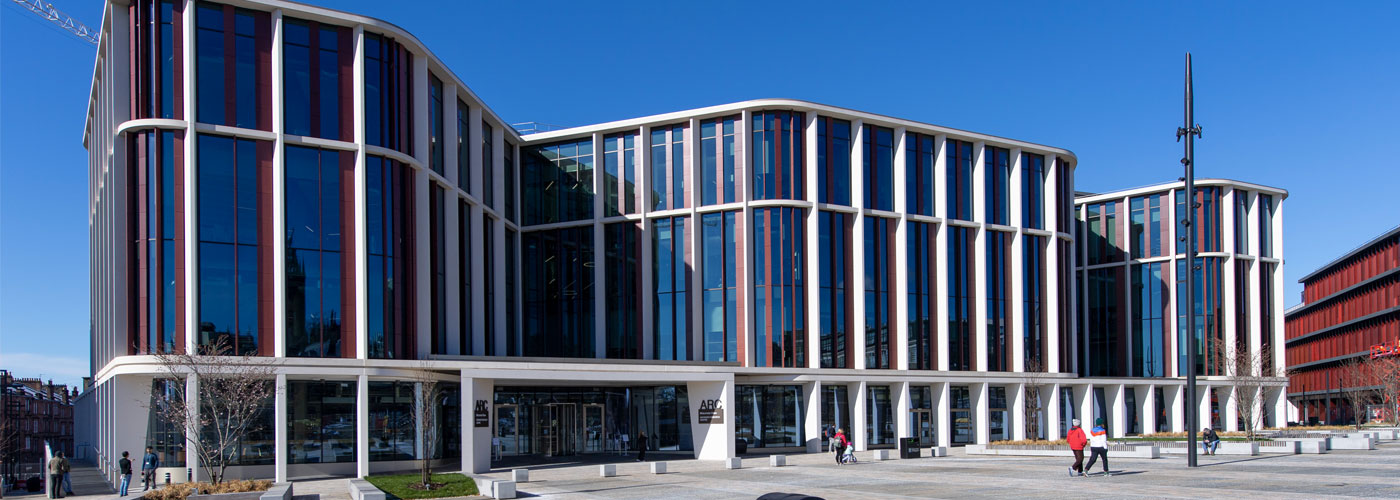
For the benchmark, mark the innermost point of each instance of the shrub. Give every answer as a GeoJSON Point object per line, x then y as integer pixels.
{"type": "Point", "coordinates": [181, 491]}
{"type": "Point", "coordinates": [1035, 442]}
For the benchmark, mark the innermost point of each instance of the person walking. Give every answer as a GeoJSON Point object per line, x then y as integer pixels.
{"type": "Point", "coordinates": [1076, 445]}
{"type": "Point", "coordinates": [830, 434]}
{"type": "Point", "coordinates": [1098, 446]}
{"type": "Point", "coordinates": [641, 446]}
{"type": "Point", "coordinates": [1210, 441]}
{"type": "Point", "coordinates": [124, 466]}
{"type": "Point", "coordinates": [64, 466]}
{"type": "Point", "coordinates": [55, 468]}
{"type": "Point", "coordinates": [149, 463]}
{"type": "Point", "coordinates": [840, 443]}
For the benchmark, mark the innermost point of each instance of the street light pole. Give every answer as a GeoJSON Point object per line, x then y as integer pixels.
{"type": "Point", "coordinates": [1191, 132]}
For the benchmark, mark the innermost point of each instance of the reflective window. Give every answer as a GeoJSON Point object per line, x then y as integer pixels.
{"type": "Point", "coordinates": [1032, 191]}
{"type": "Point", "coordinates": [962, 310]}
{"type": "Point", "coordinates": [512, 297]}
{"type": "Point", "coordinates": [959, 172]}
{"type": "Point", "coordinates": [557, 182]}
{"type": "Point", "coordinates": [836, 410]}
{"type": "Point", "coordinates": [509, 173]}
{"type": "Point", "coordinates": [923, 296]}
{"type": "Point", "coordinates": [435, 127]}
{"type": "Point", "coordinates": [156, 177]}
{"type": "Point", "coordinates": [961, 415]}
{"type": "Point", "coordinates": [920, 159]}
{"type": "Point", "coordinates": [466, 257]}
{"type": "Point", "coordinates": [320, 422]}
{"type": "Point", "coordinates": [622, 249]}
{"type": "Point", "coordinates": [558, 315]}
{"type": "Point", "coordinates": [879, 309]}
{"type": "Point", "coordinates": [1266, 314]}
{"type": "Point", "coordinates": [833, 161]}
{"type": "Point", "coordinates": [1149, 294]}
{"type": "Point", "coordinates": [721, 313]}
{"type": "Point", "coordinates": [878, 153]}
{"type": "Point", "coordinates": [464, 147]}
{"type": "Point", "coordinates": [777, 155]}
{"type": "Point", "coordinates": [388, 94]}
{"type": "Point", "coordinates": [780, 313]}
{"type": "Point", "coordinates": [1033, 303]}
{"type": "Point", "coordinates": [620, 174]}
{"type": "Point", "coordinates": [1064, 207]}
{"type": "Point", "coordinates": [1208, 225]}
{"type": "Point", "coordinates": [319, 283]}
{"type": "Point", "coordinates": [1104, 236]}
{"type": "Point", "coordinates": [1266, 226]}
{"type": "Point", "coordinates": [998, 307]}
{"type": "Point", "coordinates": [671, 267]}
{"type": "Point", "coordinates": [999, 421]}
{"type": "Point", "coordinates": [997, 190]}
{"type": "Point", "coordinates": [488, 284]}
{"type": "Point", "coordinates": [437, 269]}
{"type": "Point", "coordinates": [167, 439]}
{"type": "Point", "coordinates": [317, 64]}
{"type": "Point", "coordinates": [488, 165]}
{"type": "Point", "coordinates": [1148, 228]}
{"type": "Point", "coordinates": [1106, 339]}
{"type": "Point", "coordinates": [1242, 222]}
{"type": "Point", "coordinates": [717, 160]}
{"type": "Point", "coordinates": [229, 181]}
{"type": "Point", "coordinates": [393, 422]}
{"type": "Point", "coordinates": [769, 416]}
{"type": "Point", "coordinates": [154, 63]}
{"type": "Point", "coordinates": [879, 417]}
{"type": "Point", "coordinates": [1209, 312]}
{"type": "Point", "coordinates": [217, 65]}
{"type": "Point", "coordinates": [389, 224]}
{"type": "Point", "coordinates": [668, 167]}
{"type": "Point", "coordinates": [834, 249]}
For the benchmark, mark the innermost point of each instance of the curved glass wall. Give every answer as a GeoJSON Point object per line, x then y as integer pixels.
{"type": "Point", "coordinates": [920, 162]}
{"type": "Point", "coordinates": [717, 163]}
{"type": "Point", "coordinates": [232, 46]}
{"type": "Point", "coordinates": [833, 161]}
{"type": "Point", "coordinates": [1034, 341]}
{"type": "Point", "coordinates": [779, 288]}
{"type": "Point", "coordinates": [778, 165]}
{"type": "Point", "coordinates": [388, 94]}
{"type": "Point", "coordinates": [878, 154]}
{"type": "Point", "coordinates": [720, 281]}
{"type": "Point", "coordinates": [1032, 191]}
{"type": "Point", "coordinates": [389, 270]}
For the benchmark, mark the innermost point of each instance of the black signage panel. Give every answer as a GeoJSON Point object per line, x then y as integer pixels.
{"type": "Point", "coordinates": [711, 411]}
{"type": "Point", "coordinates": [483, 414]}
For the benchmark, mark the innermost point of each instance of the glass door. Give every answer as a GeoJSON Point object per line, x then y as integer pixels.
{"type": "Point", "coordinates": [922, 421]}
{"type": "Point", "coordinates": [593, 437]}
{"type": "Point", "coordinates": [507, 438]}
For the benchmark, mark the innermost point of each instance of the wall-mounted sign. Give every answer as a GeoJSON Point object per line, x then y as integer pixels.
{"type": "Point", "coordinates": [711, 411]}
{"type": "Point", "coordinates": [483, 414]}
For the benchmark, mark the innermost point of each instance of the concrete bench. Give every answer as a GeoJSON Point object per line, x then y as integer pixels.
{"type": "Point", "coordinates": [658, 467]}
{"type": "Point", "coordinates": [1284, 447]}
{"type": "Point", "coordinates": [520, 475]}
{"type": "Point", "coordinates": [777, 460]}
{"type": "Point", "coordinates": [1353, 443]}
{"type": "Point", "coordinates": [938, 451]}
{"type": "Point", "coordinates": [607, 470]}
{"type": "Point", "coordinates": [1311, 443]}
{"type": "Point", "coordinates": [1225, 448]}
{"type": "Point", "coordinates": [279, 491]}
{"type": "Point", "coordinates": [733, 463]}
{"type": "Point", "coordinates": [495, 488]}
{"type": "Point", "coordinates": [1385, 434]}
{"type": "Point", "coordinates": [360, 489]}
{"type": "Point", "coordinates": [879, 455]}
{"type": "Point", "coordinates": [1116, 451]}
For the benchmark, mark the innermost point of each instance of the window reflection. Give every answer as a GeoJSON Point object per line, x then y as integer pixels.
{"type": "Point", "coordinates": [318, 279]}
{"type": "Point", "coordinates": [557, 182]}
{"type": "Point", "coordinates": [779, 291]}
{"type": "Point", "coordinates": [834, 249]}
{"type": "Point", "coordinates": [320, 422]}
{"type": "Point", "coordinates": [229, 234]}
{"type": "Point", "coordinates": [559, 308]}
{"type": "Point", "coordinates": [769, 416]}
{"type": "Point", "coordinates": [833, 161]}
{"type": "Point", "coordinates": [671, 272]}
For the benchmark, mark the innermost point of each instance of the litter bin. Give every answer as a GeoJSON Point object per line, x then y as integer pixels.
{"type": "Point", "coordinates": [740, 446]}
{"type": "Point", "coordinates": [909, 448]}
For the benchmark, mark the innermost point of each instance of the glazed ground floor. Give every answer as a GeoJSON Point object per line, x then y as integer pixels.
{"type": "Point", "coordinates": [338, 418]}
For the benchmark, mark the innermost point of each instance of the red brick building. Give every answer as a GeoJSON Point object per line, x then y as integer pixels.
{"type": "Point", "coordinates": [1349, 305]}
{"type": "Point", "coordinates": [33, 412]}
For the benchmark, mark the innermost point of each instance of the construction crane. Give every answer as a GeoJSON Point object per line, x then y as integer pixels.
{"type": "Point", "coordinates": [65, 21]}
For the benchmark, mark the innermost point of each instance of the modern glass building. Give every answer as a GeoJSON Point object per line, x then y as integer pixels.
{"type": "Point", "coordinates": [316, 188]}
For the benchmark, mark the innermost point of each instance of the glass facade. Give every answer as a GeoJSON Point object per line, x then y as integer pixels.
{"type": "Point", "coordinates": [1104, 324]}
{"type": "Point", "coordinates": [720, 270]}
{"type": "Point", "coordinates": [157, 26]}
{"type": "Point", "coordinates": [488, 285]}
{"type": "Point", "coordinates": [320, 422]}
{"type": "Point", "coordinates": [536, 420]}
{"type": "Point", "coordinates": [1266, 225]}
{"type": "Point", "coordinates": [389, 270]}
{"type": "Point", "coordinates": [464, 147]}
{"type": "Point", "coordinates": [512, 293]}
{"type": "Point", "coordinates": [320, 273]}
{"type": "Point", "coordinates": [232, 64]}
{"type": "Point", "coordinates": [436, 146]}
{"type": "Point", "coordinates": [962, 309]}
{"type": "Point", "coordinates": [769, 416]}
{"type": "Point", "coordinates": [557, 182]}
{"type": "Point", "coordinates": [668, 172]}
{"type": "Point", "coordinates": [996, 171]}
{"type": "Point", "coordinates": [999, 301]}
{"type": "Point", "coordinates": [167, 439]}
{"type": "Point", "coordinates": [999, 423]}
{"type": "Point", "coordinates": [488, 165]}
{"type": "Point", "coordinates": [836, 410]}
{"type": "Point", "coordinates": [393, 423]}
{"type": "Point", "coordinates": [833, 161]}
{"type": "Point", "coordinates": [509, 153]}
{"type": "Point", "coordinates": [717, 163]}
{"type": "Point", "coordinates": [1210, 330]}
{"type": "Point", "coordinates": [466, 253]}
{"type": "Point", "coordinates": [879, 417]}
{"type": "Point", "coordinates": [778, 151]}
{"type": "Point", "coordinates": [878, 153]}
{"type": "Point", "coordinates": [1147, 228]}
{"type": "Point", "coordinates": [1033, 191]}
{"type": "Point", "coordinates": [780, 313]}
{"type": "Point", "coordinates": [671, 275]}
{"type": "Point", "coordinates": [388, 94]}
{"type": "Point", "coordinates": [317, 61]}
{"type": "Point", "coordinates": [959, 171]}
{"type": "Point", "coordinates": [558, 293]}
{"type": "Point", "coordinates": [1266, 315]}
{"type": "Point", "coordinates": [923, 296]}
{"type": "Point", "coordinates": [1034, 335]}
{"type": "Point", "coordinates": [1208, 224]}
{"type": "Point", "coordinates": [620, 174]}
{"type": "Point", "coordinates": [437, 268]}
{"type": "Point", "coordinates": [1104, 235]}
{"type": "Point", "coordinates": [1150, 301]}
{"type": "Point", "coordinates": [960, 415]}
{"type": "Point", "coordinates": [622, 249]}
{"type": "Point", "coordinates": [158, 177]}
{"type": "Point", "coordinates": [230, 176]}
{"type": "Point", "coordinates": [920, 162]}
{"type": "Point", "coordinates": [834, 240]}
{"type": "Point", "coordinates": [878, 286]}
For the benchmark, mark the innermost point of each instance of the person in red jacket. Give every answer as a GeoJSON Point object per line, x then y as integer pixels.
{"type": "Point", "coordinates": [1077, 440]}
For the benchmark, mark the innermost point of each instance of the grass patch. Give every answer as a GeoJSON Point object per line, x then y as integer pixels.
{"type": "Point", "coordinates": [402, 485]}
{"type": "Point", "coordinates": [180, 491]}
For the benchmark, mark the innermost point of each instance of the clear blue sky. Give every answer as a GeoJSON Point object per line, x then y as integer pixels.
{"type": "Point", "coordinates": [1301, 96]}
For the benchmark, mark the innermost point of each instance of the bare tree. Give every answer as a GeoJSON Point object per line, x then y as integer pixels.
{"type": "Point", "coordinates": [1360, 386]}
{"type": "Point", "coordinates": [1033, 382]}
{"type": "Point", "coordinates": [232, 391]}
{"type": "Point", "coordinates": [1387, 375]}
{"type": "Point", "coordinates": [1245, 371]}
{"type": "Point", "coordinates": [427, 404]}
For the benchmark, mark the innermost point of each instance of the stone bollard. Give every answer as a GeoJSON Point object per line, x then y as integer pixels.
{"type": "Point", "coordinates": [503, 489]}
{"type": "Point", "coordinates": [520, 475]}
{"type": "Point", "coordinates": [880, 455]}
{"type": "Point", "coordinates": [777, 460]}
{"type": "Point", "coordinates": [658, 467]}
{"type": "Point", "coordinates": [938, 451]}
{"type": "Point", "coordinates": [733, 463]}
{"type": "Point", "coordinates": [607, 470]}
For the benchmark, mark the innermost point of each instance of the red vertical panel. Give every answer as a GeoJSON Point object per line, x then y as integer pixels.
{"type": "Point", "coordinates": [263, 81]}
{"type": "Point", "coordinates": [267, 264]}
{"type": "Point", "coordinates": [349, 324]}
{"type": "Point", "coordinates": [178, 42]}
{"type": "Point", "coordinates": [741, 275]}
{"type": "Point", "coordinates": [143, 320]}
{"type": "Point", "coordinates": [347, 84]}
{"type": "Point", "coordinates": [180, 263]}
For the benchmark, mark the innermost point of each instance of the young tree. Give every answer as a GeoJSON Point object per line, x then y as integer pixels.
{"type": "Point", "coordinates": [1360, 386]}
{"type": "Point", "coordinates": [232, 391]}
{"type": "Point", "coordinates": [1033, 383]}
{"type": "Point", "coordinates": [1387, 375]}
{"type": "Point", "coordinates": [1244, 370]}
{"type": "Point", "coordinates": [429, 395]}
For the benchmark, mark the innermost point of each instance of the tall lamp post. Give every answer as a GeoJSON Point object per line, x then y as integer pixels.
{"type": "Point", "coordinates": [1190, 132]}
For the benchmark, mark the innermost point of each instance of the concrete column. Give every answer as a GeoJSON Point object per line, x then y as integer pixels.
{"type": "Point", "coordinates": [1018, 412]}
{"type": "Point", "coordinates": [1175, 397]}
{"type": "Point", "coordinates": [1230, 414]}
{"type": "Point", "coordinates": [902, 405]}
{"type": "Point", "coordinates": [646, 257]}
{"type": "Point", "coordinates": [713, 441]}
{"type": "Point", "coordinates": [280, 429]}
{"type": "Point", "coordinates": [857, 288]}
{"type": "Point", "coordinates": [1203, 408]}
{"type": "Point", "coordinates": [1118, 410]}
{"type": "Point", "coordinates": [900, 287]}
{"type": "Point", "coordinates": [362, 425]}
{"type": "Point", "coordinates": [813, 248]}
{"type": "Point", "coordinates": [1084, 402]}
{"type": "Point", "coordinates": [981, 419]}
{"type": "Point", "coordinates": [942, 413]}
{"type": "Point", "coordinates": [361, 227]}
{"type": "Point", "coordinates": [1015, 332]}
{"type": "Point", "coordinates": [477, 395]}
{"type": "Point", "coordinates": [451, 226]}
{"type": "Point", "coordinates": [979, 254]}
{"type": "Point", "coordinates": [1052, 275]}
{"type": "Point", "coordinates": [940, 206]}
{"type": "Point", "coordinates": [812, 415]}
{"type": "Point", "coordinates": [856, 433]}
{"type": "Point", "coordinates": [1052, 412]}
{"type": "Point", "coordinates": [191, 219]}
{"type": "Point", "coordinates": [1147, 408]}
{"type": "Point", "coordinates": [600, 275]}
{"type": "Point", "coordinates": [191, 433]}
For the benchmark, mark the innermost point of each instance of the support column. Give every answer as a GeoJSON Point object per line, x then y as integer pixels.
{"type": "Point", "coordinates": [900, 287]}
{"type": "Point", "coordinates": [1229, 415]}
{"type": "Point", "coordinates": [1203, 408]}
{"type": "Point", "coordinates": [362, 425]}
{"type": "Point", "coordinates": [1176, 402]}
{"type": "Point", "coordinates": [857, 289]}
{"type": "Point", "coordinates": [1018, 412]}
{"type": "Point", "coordinates": [1052, 412]}
{"type": "Point", "coordinates": [979, 254]}
{"type": "Point", "coordinates": [715, 440]}
{"type": "Point", "coordinates": [856, 433]}
{"type": "Point", "coordinates": [902, 406]}
{"type": "Point", "coordinates": [477, 396]}
{"type": "Point", "coordinates": [191, 459]}
{"type": "Point", "coordinates": [1147, 408]}
{"type": "Point", "coordinates": [981, 419]}
{"type": "Point", "coordinates": [812, 416]}
{"type": "Point", "coordinates": [1118, 410]}
{"type": "Point", "coordinates": [280, 429]}
{"type": "Point", "coordinates": [943, 415]}
{"type": "Point", "coordinates": [1084, 405]}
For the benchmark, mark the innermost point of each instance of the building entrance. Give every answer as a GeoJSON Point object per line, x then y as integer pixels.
{"type": "Point", "coordinates": [555, 429]}
{"type": "Point", "coordinates": [922, 421]}
{"type": "Point", "coordinates": [562, 422]}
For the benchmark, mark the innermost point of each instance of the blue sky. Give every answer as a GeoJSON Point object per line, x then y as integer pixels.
{"type": "Point", "coordinates": [1290, 94]}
